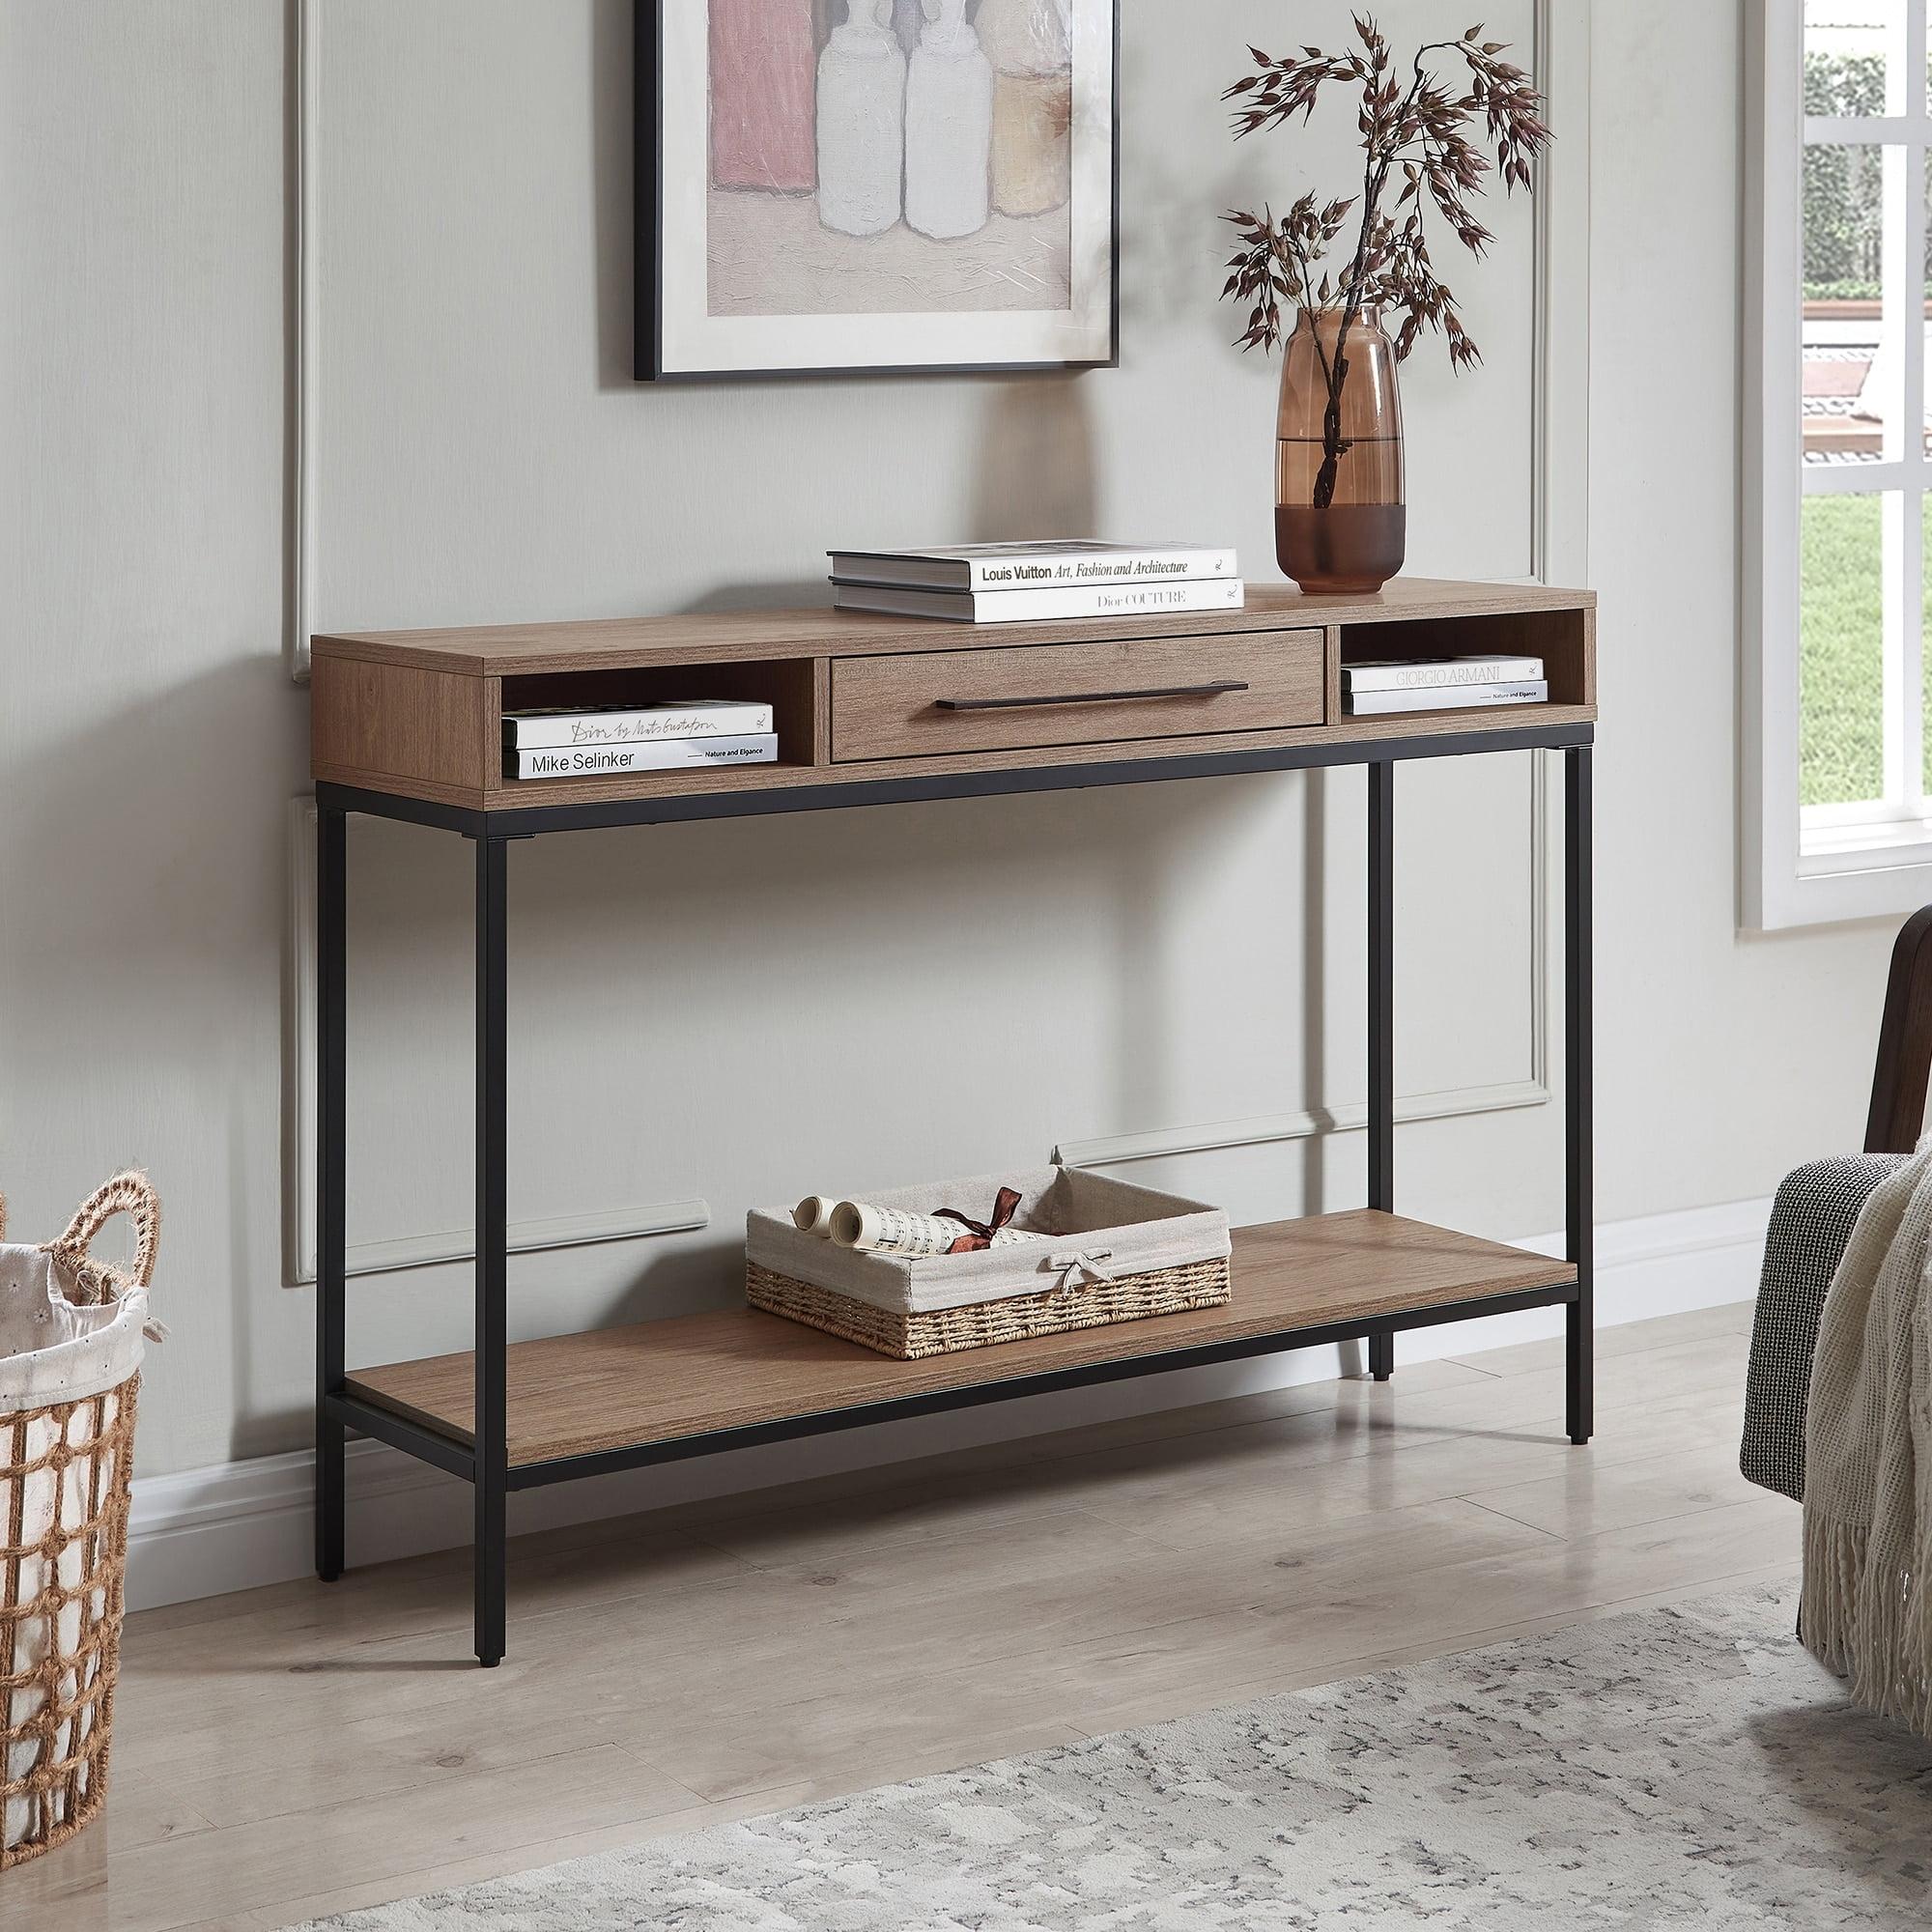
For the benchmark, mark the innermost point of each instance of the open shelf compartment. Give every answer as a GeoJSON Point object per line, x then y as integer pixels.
{"type": "Point", "coordinates": [1564, 639]}
{"type": "Point", "coordinates": [612, 1389]}
{"type": "Point", "coordinates": [786, 683]}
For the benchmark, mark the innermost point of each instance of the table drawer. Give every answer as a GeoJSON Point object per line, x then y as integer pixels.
{"type": "Point", "coordinates": [932, 702]}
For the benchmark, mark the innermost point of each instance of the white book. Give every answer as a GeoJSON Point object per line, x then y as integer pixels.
{"type": "Point", "coordinates": [1447, 697]}
{"type": "Point", "coordinates": [1019, 566]}
{"type": "Point", "coordinates": [662, 755]}
{"type": "Point", "coordinates": [691, 718]}
{"type": "Point", "coordinates": [1033, 606]}
{"type": "Point", "coordinates": [1413, 673]}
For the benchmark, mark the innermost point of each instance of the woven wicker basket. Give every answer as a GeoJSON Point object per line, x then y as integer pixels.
{"type": "Point", "coordinates": [978, 1324]}
{"type": "Point", "coordinates": [64, 1469]}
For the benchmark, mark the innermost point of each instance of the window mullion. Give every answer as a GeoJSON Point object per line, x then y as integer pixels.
{"type": "Point", "coordinates": [1890, 374]}
{"type": "Point", "coordinates": [1834, 128]}
{"type": "Point", "coordinates": [1911, 428]}
{"type": "Point", "coordinates": [1856, 479]}
{"type": "Point", "coordinates": [1912, 70]}
{"type": "Point", "coordinates": [1908, 95]}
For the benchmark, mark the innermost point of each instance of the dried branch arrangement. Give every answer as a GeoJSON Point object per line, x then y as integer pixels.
{"type": "Point", "coordinates": [1421, 127]}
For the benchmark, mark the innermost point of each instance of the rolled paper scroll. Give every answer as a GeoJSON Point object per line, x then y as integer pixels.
{"type": "Point", "coordinates": [814, 1215]}
{"type": "Point", "coordinates": [892, 1231]}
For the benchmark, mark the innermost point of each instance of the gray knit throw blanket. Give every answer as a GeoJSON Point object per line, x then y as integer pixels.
{"type": "Point", "coordinates": [1866, 1610]}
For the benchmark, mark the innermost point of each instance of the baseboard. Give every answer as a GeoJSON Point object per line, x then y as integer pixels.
{"type": "Point", "coordinates": [205, 1532]}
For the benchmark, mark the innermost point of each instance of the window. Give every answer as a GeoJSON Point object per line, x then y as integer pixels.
{"type": "Point", "coordinates": [1840, 821]}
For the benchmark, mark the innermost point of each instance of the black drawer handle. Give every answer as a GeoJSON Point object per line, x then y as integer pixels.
{"type": "Point", "coordinates": [1214, 690]}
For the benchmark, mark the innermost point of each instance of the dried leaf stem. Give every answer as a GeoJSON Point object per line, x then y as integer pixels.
{"type": "Point", "coordinates": [1424, 128]}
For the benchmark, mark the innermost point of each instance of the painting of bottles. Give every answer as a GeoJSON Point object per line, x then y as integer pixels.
{"type": "Point", "coordinates": [875, 184]}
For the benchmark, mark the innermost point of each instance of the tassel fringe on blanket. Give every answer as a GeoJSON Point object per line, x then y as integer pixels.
{"type": "Point", "coordinates": [1865, 1610]}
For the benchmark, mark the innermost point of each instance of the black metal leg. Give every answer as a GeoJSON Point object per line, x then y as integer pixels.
{"type": "Point", "coordinates": [491, 1482]}
{"type": "Point", "coordinates": [1580, 1401]}
{"type": "Point", "coordinates": [331, 1207]}
{"type": "Point", "coordinates": [1381, 1021]}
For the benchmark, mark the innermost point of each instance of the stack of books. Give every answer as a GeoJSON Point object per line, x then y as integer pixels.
{"type": "Point", "coordinates": [1442, 684]}
{"type": "Point", "coordinates": [559, 743]}
{"type": "Point", "coordinates": [1036, 583]}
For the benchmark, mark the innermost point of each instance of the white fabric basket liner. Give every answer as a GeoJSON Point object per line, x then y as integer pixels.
{"type": "Point", "coordinates": [1125, 1228]}
{"type": "Point", "coordinates": [56, 1350]}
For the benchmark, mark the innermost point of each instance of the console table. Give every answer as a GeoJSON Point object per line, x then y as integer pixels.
{"type": "Point", "coordinates": [880, 711]}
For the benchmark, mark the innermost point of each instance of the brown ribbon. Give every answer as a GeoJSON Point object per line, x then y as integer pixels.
{"type": "Point", "coordinates": [979, 1233]}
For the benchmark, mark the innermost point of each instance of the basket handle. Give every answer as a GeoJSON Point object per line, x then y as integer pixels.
{"type": "Point", "coordinates": [133, 1194]}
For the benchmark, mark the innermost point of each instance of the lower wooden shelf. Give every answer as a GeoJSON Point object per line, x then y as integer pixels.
{"type": "Point", "coordinates": [653, 1382]}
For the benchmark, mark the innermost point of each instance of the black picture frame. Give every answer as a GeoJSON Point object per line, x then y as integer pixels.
{"type": "Point", "coordinates": [648, 230]}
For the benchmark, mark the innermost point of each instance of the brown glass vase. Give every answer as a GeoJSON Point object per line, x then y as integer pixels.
{"type": "Point", "coordinates": [1340, 523]}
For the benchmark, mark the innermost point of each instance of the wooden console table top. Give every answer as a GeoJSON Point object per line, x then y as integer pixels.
{"type": "Point", "coordinates": [857, 697]}
{"type": "Point", "coordinates": [717, 637]}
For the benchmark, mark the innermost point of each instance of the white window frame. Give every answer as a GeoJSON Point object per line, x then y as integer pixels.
{"type": "Point", "coordinates": [1812, 865]}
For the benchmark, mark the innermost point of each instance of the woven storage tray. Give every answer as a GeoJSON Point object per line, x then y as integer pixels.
{"type": "Point", "coordinates": [1109, 1250]}
{"type": "Point", "coordinates": [978, 1324]}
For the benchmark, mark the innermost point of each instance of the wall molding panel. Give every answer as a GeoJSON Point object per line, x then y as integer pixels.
{"type": "Point", "coordinates": [304, 331]}
{"type": "Point", "coordinates": [1559, 454]}
{"type": "Point", "coordinates": [1162, 1143]}
{"type": "Point", "coordinates": [1352, 1117]}
{"type": "Point", "coordinates": [538, 1235]}
{"type": "Point", "coordinates": [640, 1222]}
{"type": "Point", "coordinates": [1556, 551]}
{"type": "Point", "coordinates": [1560, 540]}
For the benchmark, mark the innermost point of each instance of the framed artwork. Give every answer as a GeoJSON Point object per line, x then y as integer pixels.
{"type": "Point", "coordinates": [875, 186]}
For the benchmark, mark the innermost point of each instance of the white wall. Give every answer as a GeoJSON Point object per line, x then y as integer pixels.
{"type": "Point", "coordinates": [147, 731]}
{"type": "Point", "coordinates": [1723, 1060]}
{"type": "Point", "coordinates": [1150, 958]}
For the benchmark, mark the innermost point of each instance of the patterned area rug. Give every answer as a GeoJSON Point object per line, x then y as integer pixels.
{"type": "Point", "coordinates": [1666, 1767]}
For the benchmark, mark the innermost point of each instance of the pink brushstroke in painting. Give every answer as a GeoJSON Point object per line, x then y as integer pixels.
{"type": "Point", "coordinates": [764, 67]}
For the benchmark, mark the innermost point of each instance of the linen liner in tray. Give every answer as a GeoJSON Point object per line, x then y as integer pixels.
{"type": "Point", "coordinates": [1126, 1230]}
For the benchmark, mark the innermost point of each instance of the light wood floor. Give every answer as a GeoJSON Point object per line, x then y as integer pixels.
{"type": "Point", "coordinates": [297, 1750]}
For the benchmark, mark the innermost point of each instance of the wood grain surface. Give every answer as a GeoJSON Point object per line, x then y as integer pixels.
{"type": "Point", "coordinates": [572, 1395]}
{"type": "Point", "coordinates": [891, 707]}
{"type": "Point", "coordinates": [719, 635]}
{"type": "Point", "coordinates": [1501, 718]}
{"type": "Point", "coordinates": [1566, 640]}
{"type": "Point", "coordinates": [396, 725]}
{"type": "Point", "coordinates": [417, 713]}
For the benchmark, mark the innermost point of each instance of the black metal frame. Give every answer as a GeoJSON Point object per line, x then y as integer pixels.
{"type": "Point", "coordinates": [485, 1462]}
